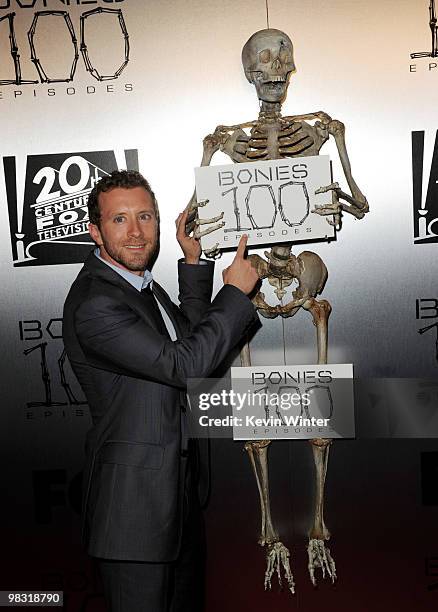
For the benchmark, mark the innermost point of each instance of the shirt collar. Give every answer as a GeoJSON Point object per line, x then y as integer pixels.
{"type": "Point", "coordinates": [138, 282]}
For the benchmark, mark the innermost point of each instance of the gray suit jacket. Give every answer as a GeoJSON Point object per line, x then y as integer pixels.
{"type": "Point", "coordinates": [134, 379]}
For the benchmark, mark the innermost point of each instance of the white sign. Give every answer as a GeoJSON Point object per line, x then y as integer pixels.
{"type": "Point", "coordinates": [289, 402]}
{"type": "Point", "coordinates": [271, 201]}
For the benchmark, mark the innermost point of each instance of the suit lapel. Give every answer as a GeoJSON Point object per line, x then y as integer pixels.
{"type": "Point", "coordinates": [99, 269]}
{"type": "Point", "coordinates": [168, 306]}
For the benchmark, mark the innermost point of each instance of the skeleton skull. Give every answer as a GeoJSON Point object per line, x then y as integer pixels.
{"type": "Point", "coordinates": [268, 61]}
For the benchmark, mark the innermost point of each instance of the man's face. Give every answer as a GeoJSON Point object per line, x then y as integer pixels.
{"type": "Point", "coordinates": [128, 232]}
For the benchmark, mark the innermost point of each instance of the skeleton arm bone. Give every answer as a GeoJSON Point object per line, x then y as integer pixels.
{"type": "Point", "coordinates": [357, 199]}
{"type": "Point", "coordinates": [319, 115]}
{"type": "Point", "coordinates": [357, 204]}
{"type": "Point", "coordinates": [224, 139]}
{"type": "Point", "coordinates": [337, 129]}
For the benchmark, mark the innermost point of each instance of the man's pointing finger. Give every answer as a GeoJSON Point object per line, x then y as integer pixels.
{"type": "Point", "coordinates": [241, 247]}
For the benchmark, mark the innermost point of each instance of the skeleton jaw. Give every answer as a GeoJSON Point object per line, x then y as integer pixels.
{"type": "Point", "coordinates": [270, 88]}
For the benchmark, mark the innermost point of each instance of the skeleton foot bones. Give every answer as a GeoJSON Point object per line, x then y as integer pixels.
{"type": "Point", "coordinates": [277, 557]}
{"type": "Point", "coordinates": [320, 558]}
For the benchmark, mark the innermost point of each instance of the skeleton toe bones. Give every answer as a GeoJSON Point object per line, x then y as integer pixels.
{"type": "Point", "coordinates": [278, 557]}
{"type": "Point", "coordinates": [320, 558]}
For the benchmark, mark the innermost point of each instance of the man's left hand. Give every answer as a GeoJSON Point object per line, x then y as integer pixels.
{"type": "Point", "coordinates": [190, 246]}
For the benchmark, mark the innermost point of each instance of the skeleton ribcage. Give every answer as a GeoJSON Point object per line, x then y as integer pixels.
{"type": "Point", "coordinates": [264, 142]}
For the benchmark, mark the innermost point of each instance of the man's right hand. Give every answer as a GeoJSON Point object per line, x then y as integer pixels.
{"type": "Point", "coordinates": [240, 273]}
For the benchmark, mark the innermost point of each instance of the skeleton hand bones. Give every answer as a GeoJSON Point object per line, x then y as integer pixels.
{"type": "Point", "coordinates": [357, 204]}
{"type": "Point", "coordinates": [193, 222]}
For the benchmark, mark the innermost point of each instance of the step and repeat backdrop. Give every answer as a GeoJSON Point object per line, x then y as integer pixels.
{"type": "Point", "coordinates": [88, 86]}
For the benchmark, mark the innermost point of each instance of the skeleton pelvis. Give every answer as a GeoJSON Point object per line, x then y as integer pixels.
{"type": "Point", "coordinates": [307, 269]}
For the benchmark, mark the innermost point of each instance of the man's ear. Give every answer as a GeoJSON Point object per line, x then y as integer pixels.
{"type": "Point", "coordinates": [95, 234]}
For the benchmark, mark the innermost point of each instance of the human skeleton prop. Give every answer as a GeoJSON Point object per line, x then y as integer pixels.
{"type": "Point", "coordinates": [268, 63]}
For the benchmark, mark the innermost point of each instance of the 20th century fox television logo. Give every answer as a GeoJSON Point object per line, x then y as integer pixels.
{"type": "Point", "coordinates": [47, 199]}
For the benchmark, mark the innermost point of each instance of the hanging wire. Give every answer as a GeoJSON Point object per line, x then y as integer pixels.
{"type": "Point", "coordinates": [283, 331]}
{"type": "Point", "coordinates": [267, 14]}
{"type": "Point", "coordinates": [284, 338]}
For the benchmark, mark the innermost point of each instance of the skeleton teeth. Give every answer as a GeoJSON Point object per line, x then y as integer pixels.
{"type": "Point", "coordinates": [274, 79]}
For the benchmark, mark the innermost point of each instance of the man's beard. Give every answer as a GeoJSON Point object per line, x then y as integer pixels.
{"type": "Point", "coordinates": [135, 261]}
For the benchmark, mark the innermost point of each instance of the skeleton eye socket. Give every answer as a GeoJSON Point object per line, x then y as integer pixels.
{"type": "Point", "coordinates": [265, 56]}
{"type": "Point", "coordinates": [285, 56]}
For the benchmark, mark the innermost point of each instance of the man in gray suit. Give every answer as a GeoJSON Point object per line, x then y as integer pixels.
{"type": "Point", "coordinates": [132, 351]}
